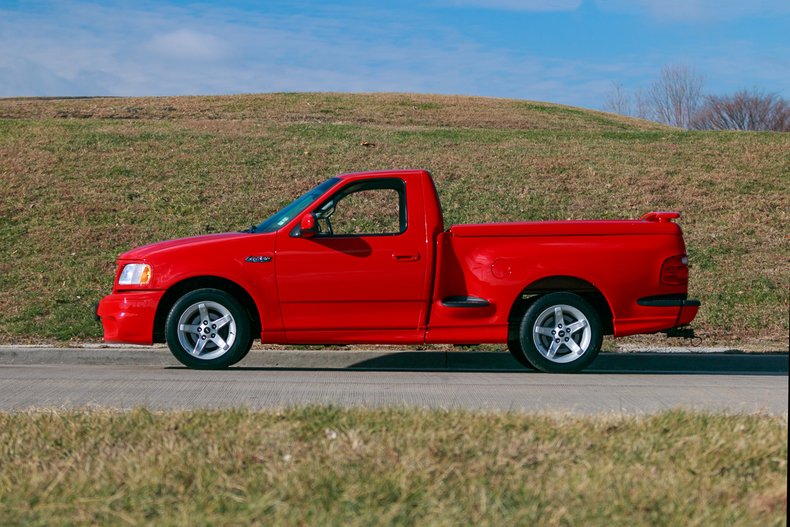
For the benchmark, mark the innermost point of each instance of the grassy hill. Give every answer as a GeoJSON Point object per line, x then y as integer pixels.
{"type": "Point", "coordinates": [85, 179]}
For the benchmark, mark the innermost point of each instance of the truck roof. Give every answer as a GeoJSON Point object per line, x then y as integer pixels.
{"type": "Point", "coordinates": [382, 173]}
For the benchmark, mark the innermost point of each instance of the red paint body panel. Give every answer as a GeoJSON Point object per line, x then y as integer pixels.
{"type": "Point", "coordinates": [623, 267]}
{"type": "Point", "coordinates": [686, 315]}
{"type": "Point", "coordinates": [356, 283]}
{"type": "Point", "coordinates": [218, 256]}
{"type": "Point", "coordinates": [129, 317]}
{"type": "Point", "coordinates": [390, 288]}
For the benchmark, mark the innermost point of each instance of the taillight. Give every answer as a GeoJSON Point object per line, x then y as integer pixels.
{"type": "Point", "coordinates": [675, 270]}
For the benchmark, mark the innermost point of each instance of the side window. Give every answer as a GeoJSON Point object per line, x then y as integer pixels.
{"type": "Point", "coordinates": [376, 207]}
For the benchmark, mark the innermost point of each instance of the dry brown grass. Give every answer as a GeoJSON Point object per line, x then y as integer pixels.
{"type": "Point", "coordinates": [325, 466]}
{"type": "Point", "coordinates": [77, 191]}
{"type": "Point", "coordinates": [388, 109]}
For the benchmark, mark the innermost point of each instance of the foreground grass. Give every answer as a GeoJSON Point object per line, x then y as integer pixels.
{"type": "Point", "coordinates": [84, 180]}
{"type": "Point", "coordinates": [325, 466]}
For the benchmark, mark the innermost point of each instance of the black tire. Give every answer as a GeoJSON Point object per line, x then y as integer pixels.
{"type": "Point", "coordinates": [515, 349]}
{"type": "Point", "coordinates": [241, 357]}
{"type": "Point", "coordinates": [560, 351]}
{"type": "Point", "coordinates": [196, 341]}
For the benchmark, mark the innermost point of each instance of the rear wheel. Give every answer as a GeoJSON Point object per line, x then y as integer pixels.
{"type": "Point", "coordinates": [515, 349]}
{"type": "Point", "coordinates": [560, 333]}
{"type": "Point", "coordinates": [208, 329]}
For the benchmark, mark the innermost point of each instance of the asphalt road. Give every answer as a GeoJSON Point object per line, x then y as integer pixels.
{"type": "Point", "coordinates": [615, 383]}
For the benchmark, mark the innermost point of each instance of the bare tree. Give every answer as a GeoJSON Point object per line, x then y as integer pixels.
{"type": "Point", "coordinates": [642, 105]}
{"type": "Point", "coordinates": [675, 96]}
{"type": "Point", "coordinates": [618, 100]}
{"type": "Point", "coordinates": [744, 110]}
{"type": "Point", "coordinates": [672, 99]}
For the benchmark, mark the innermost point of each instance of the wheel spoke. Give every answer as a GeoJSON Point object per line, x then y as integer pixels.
{"type": "Point", "coordinates": [198, 330]}
{"type": "Point", "coordinates": [222, 321]}
{"type": "Point", "coordinates": [553, 349]}
{"type": "Point", "coordinates": [576, 326]}
{"type": "Point", "coordinates": [199, 345]}
{"type": "Point", "coordinates": [574, 347]}
{"type": "Point", "coordinates": [562, 333]}
{"type": "Point", "coordinates": [558, 319]}
{"type": "Point", "coordinates": [220, 342]}
{"type": "Point", "coordinates": [203, 312]}
{"type": "Point", "coordinates": [188, 328]}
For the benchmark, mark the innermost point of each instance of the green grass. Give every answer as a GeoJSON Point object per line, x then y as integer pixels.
{"type": "Point", "coordinates": [326, 466]}
{"type": "Point", "coordinates": [87, 179]}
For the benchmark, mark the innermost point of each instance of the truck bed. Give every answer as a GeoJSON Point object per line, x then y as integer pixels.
{"type": "Point", "coordinates": [565, 228]}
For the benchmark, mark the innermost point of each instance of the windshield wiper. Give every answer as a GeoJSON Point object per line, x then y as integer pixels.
{"type": "Point", "coordinates": [251, 229]}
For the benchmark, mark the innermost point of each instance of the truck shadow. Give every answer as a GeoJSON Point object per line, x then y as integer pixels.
{"type": "Point", "coordinates": [771, 364]}
{"type": "Point", "coordinates": [654, 363]}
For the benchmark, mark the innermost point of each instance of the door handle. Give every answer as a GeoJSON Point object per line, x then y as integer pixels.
{"type": "Point", "coordinates": [406, 257]}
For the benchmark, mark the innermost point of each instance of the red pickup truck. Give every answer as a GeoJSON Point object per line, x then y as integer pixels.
{"type": "Point", "coordinates": [365, 258]}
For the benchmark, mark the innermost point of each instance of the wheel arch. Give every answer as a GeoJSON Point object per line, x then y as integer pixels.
{"type": "Point", "coordinates": [557, 284]}
{"type": "Point", "coordinates": [183, 287]}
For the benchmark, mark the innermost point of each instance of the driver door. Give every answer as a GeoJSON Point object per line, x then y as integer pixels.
{"type": "Point", "coordinates": [363, 272]}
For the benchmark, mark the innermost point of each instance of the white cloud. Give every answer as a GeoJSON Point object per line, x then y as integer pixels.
{"type": "Point", "coordinates": [95, 50]}
{"type": "Point", "coordinates": [186, 44]}
{"type": "Point", "coordinates": [22, 76]}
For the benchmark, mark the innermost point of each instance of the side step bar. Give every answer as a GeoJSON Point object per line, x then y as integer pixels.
{"type": "Point", "coordinates": [465, 301]}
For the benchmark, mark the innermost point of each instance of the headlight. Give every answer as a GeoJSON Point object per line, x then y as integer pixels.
{"type": "Point", "coordinates": [135, 274]}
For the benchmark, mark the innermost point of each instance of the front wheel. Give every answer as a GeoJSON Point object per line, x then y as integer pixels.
{"type": "Point", "coordinates": [208, 329]}
{"type": "Point", "coordinates": [560, 333]}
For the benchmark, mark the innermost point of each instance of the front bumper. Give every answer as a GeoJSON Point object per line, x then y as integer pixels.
{"type": "Point", "coordinates": [128, 317]}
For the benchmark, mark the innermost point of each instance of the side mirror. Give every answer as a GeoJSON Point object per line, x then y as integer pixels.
{"type": "Point", "coordinates": [307, 227]}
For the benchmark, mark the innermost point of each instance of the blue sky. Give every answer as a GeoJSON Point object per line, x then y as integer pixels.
{"type": "Point", "coordinates": [565, 51]}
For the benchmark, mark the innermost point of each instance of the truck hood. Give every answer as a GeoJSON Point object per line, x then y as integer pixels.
{"type": "Point", "coordinates": [567, 228]}
{"type": "Point", "coordinates": [146, 251]}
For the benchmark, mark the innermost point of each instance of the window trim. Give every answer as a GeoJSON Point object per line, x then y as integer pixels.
{"type": "Point", "coordinates": [390, 183]}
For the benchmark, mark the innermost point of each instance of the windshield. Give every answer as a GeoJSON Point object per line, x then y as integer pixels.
{"type": "Point", "coordinates": [288, 213]}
